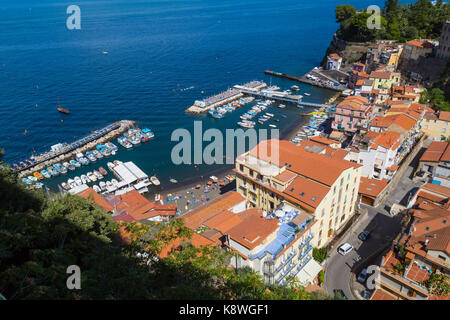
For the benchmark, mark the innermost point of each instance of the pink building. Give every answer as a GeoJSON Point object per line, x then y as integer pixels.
{"type": "Point", "coordinates": [351, 114]}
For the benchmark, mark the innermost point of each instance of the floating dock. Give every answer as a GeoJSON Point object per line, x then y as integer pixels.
{"type": "Point", "coordinates": [39, 162]}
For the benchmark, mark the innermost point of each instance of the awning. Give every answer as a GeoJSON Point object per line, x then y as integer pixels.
{"type": "Point", "coordinates": [309, 272]}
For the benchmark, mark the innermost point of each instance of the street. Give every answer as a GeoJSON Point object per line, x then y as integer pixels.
{"type": "Point", "coordinates": [383, 227]}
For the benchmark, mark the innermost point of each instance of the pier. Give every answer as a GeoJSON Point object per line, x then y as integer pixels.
{"type": "Point", "coordinates": [323, 80]}
{"type": "Point", "coordinates": [39, 162]}
{"type": "Point", "coordinates": [232, 94]}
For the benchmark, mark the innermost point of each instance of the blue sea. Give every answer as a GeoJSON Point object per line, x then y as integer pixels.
{"type": "Point", "coordinates": [162, 56]}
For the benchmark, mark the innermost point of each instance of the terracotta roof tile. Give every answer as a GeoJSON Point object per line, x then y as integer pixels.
{"type": "Point", "coordinates": [90, 194]}
{"type": "Point", "coordinates": [372, 187]}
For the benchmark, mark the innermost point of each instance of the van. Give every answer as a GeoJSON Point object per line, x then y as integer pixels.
{"type": "Point", "coordinates": [345, 248]}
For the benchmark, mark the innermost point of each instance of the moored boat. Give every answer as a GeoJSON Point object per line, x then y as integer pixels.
{"type": "Point", "coordinates": [103, 171]}
{"type": "Point", "coordinates": [155, 181]}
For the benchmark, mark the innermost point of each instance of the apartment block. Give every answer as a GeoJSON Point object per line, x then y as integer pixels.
{"type": "Point", "coordinates": [310, 180]}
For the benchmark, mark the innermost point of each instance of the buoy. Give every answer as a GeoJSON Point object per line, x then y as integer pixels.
{"type": "Point", "coordinates": [203, 92]}
{"type": "Point", "coordinates": [36, 105]}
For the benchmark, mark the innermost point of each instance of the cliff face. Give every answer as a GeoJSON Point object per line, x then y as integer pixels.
{"type": "Point", "coordinates": [349, 51]}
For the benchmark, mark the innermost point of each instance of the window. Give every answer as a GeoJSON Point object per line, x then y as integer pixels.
{"type": "Point", "coordinates": [241, 168]}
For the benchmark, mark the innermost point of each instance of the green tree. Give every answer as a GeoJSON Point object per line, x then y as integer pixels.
{"type": "Point", "coordinates": [344, 12]}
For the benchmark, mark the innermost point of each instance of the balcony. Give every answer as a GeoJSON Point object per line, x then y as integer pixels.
{"type": "Point", "coordinates": [305, 242]}
{"type": "Point", "coordinates": [285, 272]}
{"type": "Point", "coordinates": [289, 258]}
{"type": "Point", "coordinates": [298, 269]}
{"type": "Point", "coordinates": [307, 250]}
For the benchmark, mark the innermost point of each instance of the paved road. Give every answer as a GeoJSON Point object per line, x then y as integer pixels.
{"type": "Point", "coordinates": [383, 226]}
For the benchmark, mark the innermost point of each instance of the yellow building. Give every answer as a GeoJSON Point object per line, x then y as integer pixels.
{"type": "Point", "coordinates": [415, 49]}
{"type": "Point", "coordinates": [318, 181]}
{"type": "Point", "coordinates": [384, 80]}
{"type": "Point", "coordinates": [436, 125]}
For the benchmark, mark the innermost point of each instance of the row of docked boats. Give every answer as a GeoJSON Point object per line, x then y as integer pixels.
{"type": "Point", "coordinates": [101, 151]}
{"type": "Point", "coordinates": [89, 177]}
{"type": "Point", "coordinates": [256, 109]}
{"type": "Point", "coordinates": [135, 137]}
{"type": "Point", "coordinates": [219, 112]}
{"type": "Point", "coordinates": [315, 125]}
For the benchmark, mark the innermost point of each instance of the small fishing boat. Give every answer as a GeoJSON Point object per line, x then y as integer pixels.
{"type": "Point", "coordinates": [306, 94]}
{"type": "Point", "coordinates": [84, 179]}
{"type": "Point", "coordinates": [98, 175]}
{"type": "Point", "coordinates": [102, 185]}
{"type": "Point", "coordinates": [272, 126]}
{"type": "Point", "coordinates": [71, 183]}
{"type": "Point", "coordinates": [155, 180]}
{"type": "Point", "coordinates": [52, 171]}
{"type": "Point", "coordinates": [269, 114]}
{"type": "Point", "coordinates": [91, 176]}
{"type": "Point", "coordinates": [173, 181]}
{"type": "Point", "coordinates": [109, 184]}
{"type": "Point", "coordinates": [38, 176]}
{"type": "Point", "coordinates": [96, 188]}
{"type": "Point", "coordinates": [75, 163]}
{"type": "Point", "coordinates": [46, 174]}
{"type": "Point", "coordinates": [103, 171]}
{"type": "Point", "coordinates": [66, 164]}
{"type": "Point", "coordinates": [26, 180]}
{"type": "Point", "coordinates": [65, 186]}
{"type": "Point", "coordinates": [295, 88]}
{"type": "Point", "coordinates": [145, 139]}
{"type": "Point", "coordinates": [97, 154]}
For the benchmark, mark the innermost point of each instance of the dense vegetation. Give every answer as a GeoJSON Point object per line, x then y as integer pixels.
{"type": "Point", "coordinates": [40, 238]}
{"type": "Point", "coordinates": [411, 21]}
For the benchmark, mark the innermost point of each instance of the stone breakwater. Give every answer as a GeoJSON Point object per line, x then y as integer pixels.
{"type": "Point", "coordinates": [53, 157]}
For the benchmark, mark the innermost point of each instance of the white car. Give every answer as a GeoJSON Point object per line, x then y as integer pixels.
{"type": "Point", "coordinates": [345, 248]}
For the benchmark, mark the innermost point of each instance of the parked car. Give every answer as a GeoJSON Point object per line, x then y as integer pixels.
{"type": "Point", "coordinates": [363, 236]}
{"type": "Point", "coordinates": [367, 294]}
{"type": "Point", "coordinates": [363, 276]}
{"type": "Point", "coordinates": [339, 294]}
{"type": "Point", "coordinates": [345, 248]}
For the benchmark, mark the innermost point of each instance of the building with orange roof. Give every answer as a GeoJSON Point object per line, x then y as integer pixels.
{"type": "Point", "coordinates": [372, 190]}
{"type": "Point", "coordinates": [417, 48]}
{"type": "Point", "coordinates": [334, 62]}
{"type": "Point", "coordinates": [94, 197]}
{"type": "Point", "coordinates": [314, 180]}
{"type": "Point", "coordinates": [351, 114]}
{"type": "Point", "coordinates": [436, 162]}
{"type": "Point", "coordinates": [436, 125]}
{"type": "Point", "coordinates": [141, 209]}
{"type": "Point", "coordinates": [277, 246]}
{"type": "Point", "coordinates": [420, 251]}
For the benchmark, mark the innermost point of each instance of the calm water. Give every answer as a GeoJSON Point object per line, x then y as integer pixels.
{"type": "Point", "coordinates": [156, 49]}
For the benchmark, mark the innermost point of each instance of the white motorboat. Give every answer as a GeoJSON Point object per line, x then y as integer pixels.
{"type": "Point", "coordinates": [98, 174]}
{"type": "Point", "coordinates": [65, 186]}
{"type": "Point", "coordinates": [102, 185]}
{"type": "Point", "coordinates": [96, 188]}
{"type": "Point", "coordinates": [78, 181]}
{"type": "Point", "coordinates": [272, 126]}
{"type": "Point", "coordinates": [114, 182]}
{"type": "Point", "coordinates": [71, 183]}
{"type": "Point", "coordinates": [109, 184]}
{"type": "Point", "coordinates": [155, 180]}
{"type": "Point", "coordinates": [110, 165]}
{"type": "Point", "coordinates": [84, 179]}
{"type": "Point", "coordinates": [92, 176]}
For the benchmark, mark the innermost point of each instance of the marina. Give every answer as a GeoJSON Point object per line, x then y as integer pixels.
{"type": "Point", "coordinates": [67, 157]}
